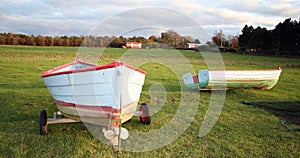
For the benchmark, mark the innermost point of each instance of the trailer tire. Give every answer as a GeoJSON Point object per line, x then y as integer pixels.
{"type": "Point", "coordinates": [145, 118]}
{"type": "Point", "coordinates": [43, 122]}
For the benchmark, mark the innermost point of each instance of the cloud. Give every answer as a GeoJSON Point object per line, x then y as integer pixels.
{"type": "Point", "coordinates": [143, 20]}
{"type": "Point", "coordinates": [282, 8]}
{"type": "Point", "coordinates": [56, 17]}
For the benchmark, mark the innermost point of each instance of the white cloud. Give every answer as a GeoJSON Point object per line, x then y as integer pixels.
{"type": "Point", "coordinates": [76, 17]}
{"type": "Point", "coordinates": [282, 8]}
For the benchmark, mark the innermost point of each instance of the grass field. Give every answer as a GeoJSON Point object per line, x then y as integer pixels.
{"type": "Point", "coordinates": [241, 130]}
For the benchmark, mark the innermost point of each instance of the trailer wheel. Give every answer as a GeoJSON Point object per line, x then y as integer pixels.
{"type": "Point", "coordinates": [145, 118]}
{"type": "Point", "coordinates": [43, 122]}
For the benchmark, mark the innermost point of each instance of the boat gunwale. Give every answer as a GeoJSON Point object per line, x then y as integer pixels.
{"type": "Point", "coordinates": [52, 72]}
{"type": "Point", "coordinates": [278, 69]}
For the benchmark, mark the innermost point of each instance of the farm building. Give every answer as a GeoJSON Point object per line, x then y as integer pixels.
{"type": "Point", "coordinates": [192, 45]}
{"type": "Point", "coordinates": [133, 45]}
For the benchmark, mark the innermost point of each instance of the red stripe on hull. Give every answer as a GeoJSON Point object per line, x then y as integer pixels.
{"type": "Point", "coordinates": [94, 108]}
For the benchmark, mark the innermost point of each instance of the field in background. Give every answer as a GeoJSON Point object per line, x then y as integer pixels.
{"type": "Point", "coordinates": [241, 130]}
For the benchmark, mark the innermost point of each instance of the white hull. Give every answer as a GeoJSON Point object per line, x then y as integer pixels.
{"type": "Point", "coordinates": [93, 92]}
{"type": "Point", "coordinates": [260, 79]}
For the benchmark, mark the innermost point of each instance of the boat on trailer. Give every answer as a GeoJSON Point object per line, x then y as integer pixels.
{"type": "Point", "coordinates": [233, 79]}
{"type": "Point", "coordinates": [102, 95]}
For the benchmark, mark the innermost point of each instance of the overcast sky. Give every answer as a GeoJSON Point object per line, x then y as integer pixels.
{"type": "Point", "coordinates": [74, 17]}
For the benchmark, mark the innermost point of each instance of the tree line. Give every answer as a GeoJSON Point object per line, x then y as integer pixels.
{"type": "Point", "coordinates": [166, 39]}
{"type": "Point", "coordinates": [284, 40]}
{"type": "Point", "coordinates": [21, 39]}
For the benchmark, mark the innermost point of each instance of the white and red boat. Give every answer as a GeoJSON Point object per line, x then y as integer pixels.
{"type": "Point", "coordinates": [104, 95]}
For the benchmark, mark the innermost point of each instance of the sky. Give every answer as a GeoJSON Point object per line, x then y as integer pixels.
{"type": "Point", "coordinates": [138, 17]}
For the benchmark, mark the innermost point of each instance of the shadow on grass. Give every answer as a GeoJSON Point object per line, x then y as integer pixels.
{"type": "Point", "coordinates": [289, 111]}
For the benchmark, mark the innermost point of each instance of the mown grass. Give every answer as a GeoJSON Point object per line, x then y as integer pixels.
{"type": "Point", "coordinates": [241, 131]}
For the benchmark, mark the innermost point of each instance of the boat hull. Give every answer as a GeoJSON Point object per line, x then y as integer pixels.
{"type": "Point", "coordinates": [102, 95]}
{"type": "Point", "coordinates": [234, 79]}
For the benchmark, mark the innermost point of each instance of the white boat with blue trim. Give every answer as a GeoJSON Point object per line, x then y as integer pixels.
{"type": "Point", "coordinates": [233, 79]}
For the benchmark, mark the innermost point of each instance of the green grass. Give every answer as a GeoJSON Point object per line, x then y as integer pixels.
{"type": "Point", "coordinates": [241, 131]}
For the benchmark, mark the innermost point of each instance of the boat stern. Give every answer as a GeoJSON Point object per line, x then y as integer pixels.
{"type": "Point", "coordinates": [198, 81]}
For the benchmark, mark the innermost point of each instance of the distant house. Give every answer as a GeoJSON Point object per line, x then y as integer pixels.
{"type": "Point", "coordinates": [133, 45]}
{"type": "Point", "coordinates": [192, 45]}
